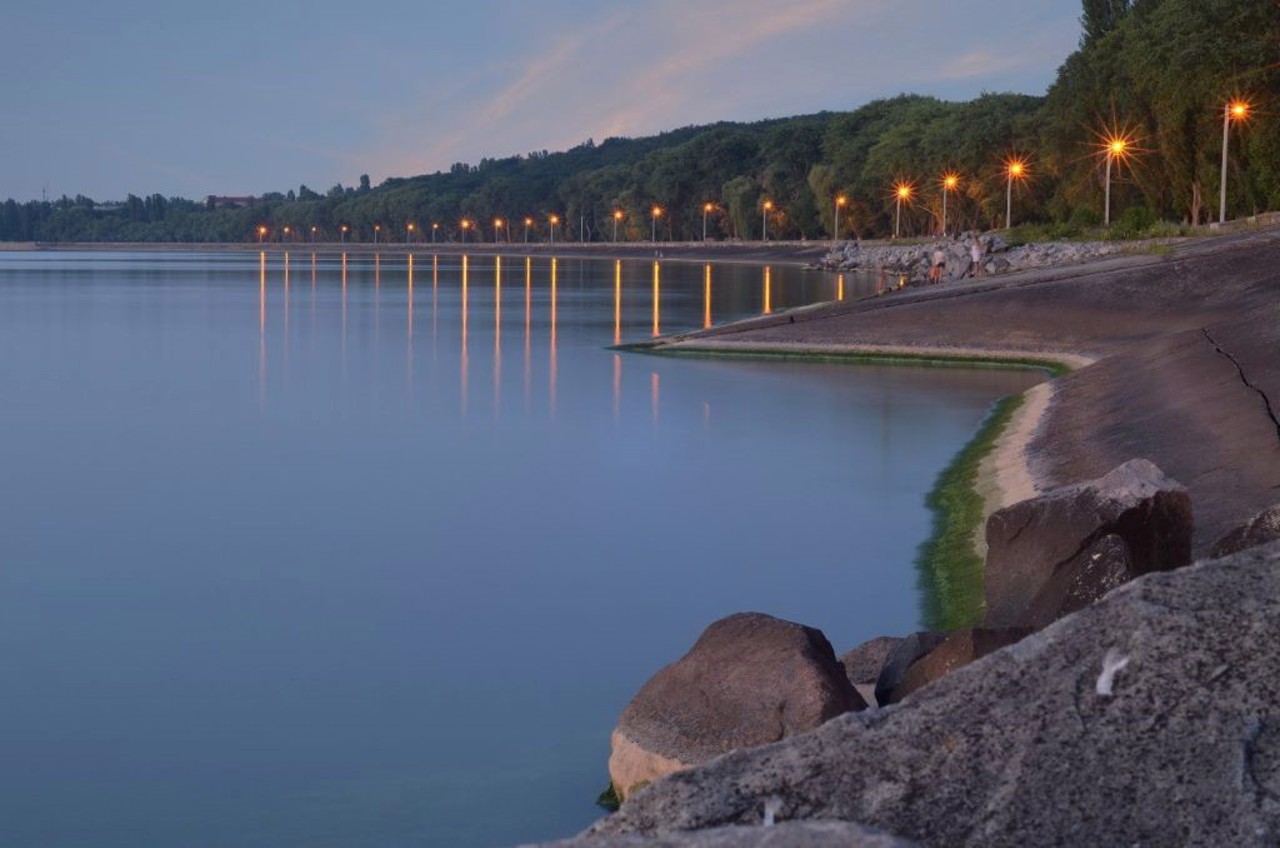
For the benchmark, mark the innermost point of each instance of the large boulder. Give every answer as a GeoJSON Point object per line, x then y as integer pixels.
{"type": "Point", "coordinates": [750, 680]}
{"type": "Point", "coordinates": [862, 665]}
{"type": "Point", "coordinates": [1050, 555]}
{"type": "Point", "coordinates": [785, 835]}
{"type": "Point", "coordinates": [1259, 530]}
{"type": "Point", "coordinates": [957, 650]}
{"type": "Point", "coordinates": [1149, 718]}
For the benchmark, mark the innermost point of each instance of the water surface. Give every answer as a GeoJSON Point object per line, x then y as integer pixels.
{"type": "Point", "coordinates": [354, 552]}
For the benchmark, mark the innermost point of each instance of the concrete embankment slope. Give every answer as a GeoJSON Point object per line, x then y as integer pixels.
{"type": "Point", "coordinates": [1186, 352]}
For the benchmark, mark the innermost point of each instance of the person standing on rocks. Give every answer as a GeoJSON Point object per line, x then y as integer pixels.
{"type": "Point", "coordinates": [938, 264]}
{"type": "Point", "coordinates": [975, 254]}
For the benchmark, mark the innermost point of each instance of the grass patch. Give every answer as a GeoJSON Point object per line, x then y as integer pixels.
{"type": "Point", "coordinates": [608, 799]}
{"type": "Point", "coordinates": [948, 567]}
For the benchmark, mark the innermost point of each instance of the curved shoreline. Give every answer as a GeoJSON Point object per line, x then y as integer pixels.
{"type": "Point", "coordinates": [994, 466]}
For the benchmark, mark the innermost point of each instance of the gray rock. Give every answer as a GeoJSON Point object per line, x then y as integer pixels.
{"type": "Point", "coordinates": [1037, 544]}
{"type": "Point", "coordinates": [783, 835]}
{"type": "Point", "coordinates": [1259, 530]}
{"type": "Point", "coordinates": [900, 659]}
{"type": "Point", "coordinates": [1149, 718]}
{"type": "Point", "coordinates": [862, 664]}
{"type": "Point", "coordinates": [1102, 566]}
{"type": "Point", "coordinates": [751, 679]}
{"type": "Point", "coordinates": [956, 651]}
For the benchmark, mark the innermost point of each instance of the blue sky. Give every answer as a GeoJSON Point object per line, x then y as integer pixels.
{"type": "Point", "coordinates": [233, 97]}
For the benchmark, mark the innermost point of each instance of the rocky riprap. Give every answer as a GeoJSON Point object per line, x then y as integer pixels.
{"type": "Point", "coordinates": [911, 261]}
{"type": "Point", "coordinates": [1149, 718]}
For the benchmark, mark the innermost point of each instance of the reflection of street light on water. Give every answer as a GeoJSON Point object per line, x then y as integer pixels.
{"type": "Point", "coordinates": [1236, 110]}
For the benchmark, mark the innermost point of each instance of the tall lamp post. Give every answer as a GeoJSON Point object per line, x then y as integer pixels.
{"type": "Point", "coordinates": [707, 209]}
{"type": "Point", "coordinates": [949, 183]}
{"type": "Point", "coordinates": [1237, 110]}
{"type": "Point", "coordinates": [841, 202]}
{"type": "Point", "coordinates": [497, 228]}
{"type": "Point", "coordinates": [1117, 148]}
{"type": "Point", "coordinates": [902, 194]}
{"type": "Point", "coordinates": [377, 228]}
{"type": "Point", "coordinates": [435, 228]}
{"type": "Point", "coordinates": [409, 229]}
{"type": "Point", "coordinates": [765, 209]}
{"type": "Point", "coordinates": [617, 216]}
{"type": "Point", "coordinates": [344, 233]}
{"type": "Point", "coordinates": [1015, 169]}
{"type": "Point", "coordinates": [466, 225]}
{"type": "Point", "coordinates": [528, 222]}
{"type": "Point", "coordinates": [655, 213]}
{"type": "Point", "coordinates": [555, 219]}
{"type": "Point", "coordinates": [313, 234]}
{"type": "Point", "coordinates": [262, 233]}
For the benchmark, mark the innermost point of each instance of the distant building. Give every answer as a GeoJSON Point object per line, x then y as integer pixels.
{"type": "Point", "coordinates": [215, 201]}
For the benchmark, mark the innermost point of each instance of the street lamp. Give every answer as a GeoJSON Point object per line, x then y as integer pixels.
{"type": "Point", "coordinates": [287, 230]}
{"type": "Point", "coordinates": [617, 216]}
{"type": "Point", "coordinates": [765, 209]}
{"type": "Point", "coordinates": [409, 229]}
{"type": "Point", "coordinates": [949, 183]}
{"type": "Point", "coordinates": [344, 233]}
{"type": "Point", "coordinates": [1015, 169]}
{"type": "Point", "coordinates": [902, 193]}
{"type": "Point", "coordinates": [262, 232]}
{"type": "Point", "coordinates": [313, 234]}
{"type": "Point", "coordinates": [466, 225]}
{"type": "Point", "coordinates": [656, 213]}
{"type": "Point", "coordinates": [377, 228]}
{"type": "Point", "coordinates": [707, 209]}
{"type": "Point", "coordinates": [1236, 110]}
{"type": "Point", "coordinates": [435, 228]}
{"type": "Point", "coordinates": [1117, 147]}
{"type": "Point", "coordinates": [528, 222]}
{"type": "Point", "coordinates": [841, 202]}
{"type": "Point", "coordinates": [555, 219]}
{"type": "Point", "coordinates": [497, 227]}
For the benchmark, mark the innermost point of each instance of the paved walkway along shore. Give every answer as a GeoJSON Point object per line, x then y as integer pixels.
{"type": "Point", "coordinates": [1176, 358]}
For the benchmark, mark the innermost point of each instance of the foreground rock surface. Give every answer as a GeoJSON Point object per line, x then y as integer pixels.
{"type": "Point", "coordinates": [750, 680]}
{"type": "Point", "coordinates": [786, 835]}
{"type": "Point", "coordinates": [1149, 718]}
{"type": "Point", "coordinates": [1065, 549]}
{"type": "Point", "coordinates": [1262, 529]}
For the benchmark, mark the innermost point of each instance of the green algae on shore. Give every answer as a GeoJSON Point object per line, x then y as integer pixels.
{"type": "Point", "coordinates": [950, 570]}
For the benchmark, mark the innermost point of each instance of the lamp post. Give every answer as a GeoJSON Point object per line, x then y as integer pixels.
{"type": "Point", "coordinates": [497, 228]}
{"type": "Point", "coordinates": [901, 192]}
{"type": "Point", "coordinates": [1237, 110]}
{"type": "Point", "coordinates": [655, 214]}
{"type": "Point", "coordinates": [377, 228]}
{"type": "Point", "coordinates": [706, 210]}
{"type": "Point", "coordinates": [313, 234]}
{"type": "Point", "coordinates": [262, 233]}
{"type": "Point", "coordinates": [949, 183]}
{"type": "Point", "coordinates": [287, 231]}
{"type": "Point", "coordinates": [1117, 148]}
{"type": "Point", "coordinates": [528, 222]}
{"type": "Point", "coordinates": [555, 219]}
{"type": "Point", "coordinates": [466, 225]}
{"type": "Point", "coordinates": [841, 202]}
{"type": "Point", "coordinates": [765, 209]}
{"type": "Point", "coordinates": [617, 216]}
{"type": "Point", "coordinates": [344, 233]}
{"type": "Point", "coordinates": [409, 230]}
{"type": "Point", "coordinates": [1015, 169]}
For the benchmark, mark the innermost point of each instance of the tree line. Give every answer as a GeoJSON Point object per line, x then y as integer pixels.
{"type": "Point", "coordinates": [1158, 71]}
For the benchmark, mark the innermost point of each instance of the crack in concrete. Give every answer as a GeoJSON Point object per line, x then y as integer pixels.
{"type": "Point", "coordinates": [1244, 378]}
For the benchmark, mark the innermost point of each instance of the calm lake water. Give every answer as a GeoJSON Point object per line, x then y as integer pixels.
{"type": "Point", "coordinates": [314, 552]}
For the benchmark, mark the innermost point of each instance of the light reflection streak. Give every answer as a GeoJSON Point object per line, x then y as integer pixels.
{"type": "Point", "coordinates": [840, 288]}
{"type": "Point", "coordinates": [555, 278]}
{"type": "Point", "coordinates": [617, 386]}
{"type": "Point", "coordinates": [409, 330]}
{"type": "Point", "coordinates": [262, 329]}
{"type": "Point", "coordinates": [528, 311]}
{"type": "Point", "coordinates": [768, 290]}
{"type": "Point", "coordinates": [655, 396]}
{"type": "Point", "coordinates": [286, 316]}
{"type": "Point", "coordinates": [344, 311]}
{"type": "Point", "coordinates": [657, 285]}
{"type": "Point", "coordinates": [313, 297]}
{"type": "Point", "coordinates": [466, 364]}
{"type": "Point", "coordinates": [617, 302]}
{"type": "Point", "coordinates": [497, 335]}
{"type": "Point", "coordinates": [706, 299]}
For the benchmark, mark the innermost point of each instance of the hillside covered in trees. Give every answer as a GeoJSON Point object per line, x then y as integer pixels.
{"type": "Point", "coordinates": [1158, 71]}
